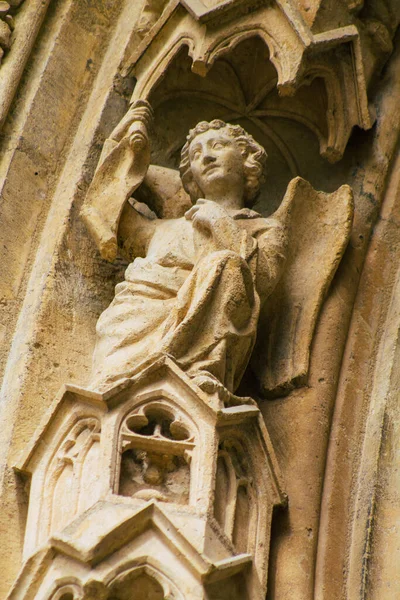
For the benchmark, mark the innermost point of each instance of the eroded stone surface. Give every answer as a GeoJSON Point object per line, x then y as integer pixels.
{"type": "Point", "coordinates": [167, 460]}
{"type": "Point", "coordinates": [200, 282]}
{"type": "Point", "coordinates": [205, 474]}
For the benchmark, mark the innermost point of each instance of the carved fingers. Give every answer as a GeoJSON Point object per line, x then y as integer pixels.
{"type": "Point", "coordinates": [141, 111]}
{"type": "Point", "coordinates": [136, 123]}
{"type": "Point", "coordinates": [205, 213]}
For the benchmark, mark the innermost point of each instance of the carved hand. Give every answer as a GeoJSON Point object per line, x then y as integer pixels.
{"type": "Point", "coordinates": [136, 123]}
{"type": "Point", "coordinates": [209, 216]}
{"type": "Point", "coordinates": [205, 214]}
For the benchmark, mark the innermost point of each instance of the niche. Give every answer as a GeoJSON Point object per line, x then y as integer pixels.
{"type": "Point", "coordinates": [156, 448]}
{"type": "Point", "coordinates": [67, 592]}
{"type": "Point", "coordinates": [73, 481]}
{"type": "Point", "coordinates": [241, 88]}
{"type": "Point", "coordinates": [234, 506]}
{"type": "Point", "coordinates": [141, 587]}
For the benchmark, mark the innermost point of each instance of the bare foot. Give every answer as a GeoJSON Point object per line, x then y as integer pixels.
{"type": "Point", "coordinates": [209, 384]}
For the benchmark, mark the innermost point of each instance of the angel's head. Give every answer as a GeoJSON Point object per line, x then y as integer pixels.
{"type": "Point", "coordinates": [220, 154]}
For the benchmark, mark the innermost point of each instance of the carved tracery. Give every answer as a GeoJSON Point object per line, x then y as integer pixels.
{"type": "Point", "coordinates": [148, 583]}
{"type": "Point", "coordinates": [234, 506]}
{"type": "Point", "coordinates": [289, 42]}
{"type": "Point", "coordinates": [156, 447]}
{"type": "Point", "coordinates": [72, 474]}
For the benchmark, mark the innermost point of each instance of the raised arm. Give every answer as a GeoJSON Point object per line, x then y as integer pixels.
{"type": "Point", "coordinates": [122, 168]}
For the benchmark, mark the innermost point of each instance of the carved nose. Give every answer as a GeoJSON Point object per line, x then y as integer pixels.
{"type": "Point", "coordinates": [208, 158]}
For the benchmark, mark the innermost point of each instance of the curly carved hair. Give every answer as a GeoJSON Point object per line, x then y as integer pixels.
{"type": "Point", "coordinates": [254, 155]}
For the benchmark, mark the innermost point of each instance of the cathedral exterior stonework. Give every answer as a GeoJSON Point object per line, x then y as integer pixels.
{"type": "Point", "coordinates": [199, 299]}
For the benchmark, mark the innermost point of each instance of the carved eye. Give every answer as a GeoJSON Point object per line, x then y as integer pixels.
{"type": "Point", "coordinates": [195, 155]}
{"type": "Point", "coordinates": [218, 145]}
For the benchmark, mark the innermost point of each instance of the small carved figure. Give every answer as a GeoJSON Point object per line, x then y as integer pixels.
{"type": "Point", "coordinates": [197, 283]}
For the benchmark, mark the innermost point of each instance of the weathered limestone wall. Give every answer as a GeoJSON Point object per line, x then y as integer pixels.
{"type": "Point", "coordinates": [357, 546]}
{"type": "Point", "coordinates": [50, 145]}
{"type": "Point", "coordinates": [324, 529]}
{"type": "Point", "coordinates": [336, 439]}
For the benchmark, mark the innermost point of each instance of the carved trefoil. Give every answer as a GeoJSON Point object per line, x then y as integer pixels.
{"type": "Point", "coordinates": [156, 448]}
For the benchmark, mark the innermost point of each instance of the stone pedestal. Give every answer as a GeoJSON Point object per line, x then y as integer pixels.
{"type": "Point", "coordinates": [153, 479]}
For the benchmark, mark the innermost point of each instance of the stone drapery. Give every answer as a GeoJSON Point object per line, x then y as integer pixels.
{"type": "Point", "coordinates": [190, 301]}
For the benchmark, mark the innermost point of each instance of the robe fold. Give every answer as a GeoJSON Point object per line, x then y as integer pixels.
{"type": "Point", "coordinates": [198, 304]}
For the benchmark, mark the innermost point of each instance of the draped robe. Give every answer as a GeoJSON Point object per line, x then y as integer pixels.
{"type": "Point", "coordinates": [186, 298]}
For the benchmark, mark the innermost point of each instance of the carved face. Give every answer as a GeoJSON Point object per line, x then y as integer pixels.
{"type": "Point", "coordinates": [216, 160]}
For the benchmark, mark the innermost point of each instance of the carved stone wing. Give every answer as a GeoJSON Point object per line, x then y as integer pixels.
{"type": "Point", "coordinates": [319, 227]}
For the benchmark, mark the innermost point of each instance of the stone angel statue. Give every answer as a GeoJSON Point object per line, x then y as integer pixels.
{"type": "Point", "coordinates": [220, 283]}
